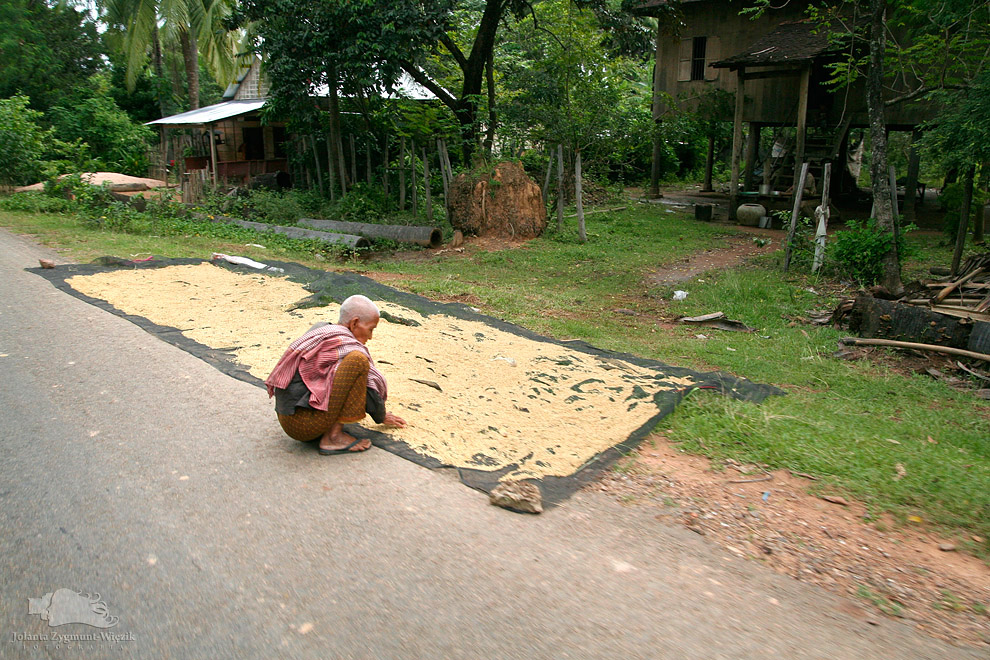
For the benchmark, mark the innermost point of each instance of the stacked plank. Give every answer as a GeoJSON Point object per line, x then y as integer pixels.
{"type": "Point", "coordinates": [965, 296]}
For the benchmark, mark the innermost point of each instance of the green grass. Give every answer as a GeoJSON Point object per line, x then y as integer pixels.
{"type": "Point", "coordinates": [849, 423]}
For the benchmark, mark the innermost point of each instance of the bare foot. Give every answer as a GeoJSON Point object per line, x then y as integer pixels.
{"type": "Point", "coordinates": [337, 440]}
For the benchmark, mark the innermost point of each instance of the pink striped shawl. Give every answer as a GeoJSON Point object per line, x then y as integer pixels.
{"type": "Point", "coordinates": [315, 356]}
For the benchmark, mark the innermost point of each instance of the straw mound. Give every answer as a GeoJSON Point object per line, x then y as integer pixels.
{"type": "Point", "coordinates": [503, 399]}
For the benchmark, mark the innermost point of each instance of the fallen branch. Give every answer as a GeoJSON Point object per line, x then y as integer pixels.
{"type": "Point", "coordinates": [910, 344]}
{"type": "Point", "coordinates": [618, 208]}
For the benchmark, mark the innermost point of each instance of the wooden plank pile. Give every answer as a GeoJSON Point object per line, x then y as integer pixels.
{"type": "Point", "coordinates": [965, 296]}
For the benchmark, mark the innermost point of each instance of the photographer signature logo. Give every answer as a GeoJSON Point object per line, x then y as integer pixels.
{"type": "Point", "coordinates": [66, 606]}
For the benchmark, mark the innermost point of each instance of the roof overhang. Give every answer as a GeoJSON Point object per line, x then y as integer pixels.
{"type": "Point", "coordinates": [785, 45]}
{"type": "Point", "coordinates": [211, 113]}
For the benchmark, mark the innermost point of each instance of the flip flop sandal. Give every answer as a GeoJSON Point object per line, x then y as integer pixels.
{"type": "Point", "coordinates": [346, 450]}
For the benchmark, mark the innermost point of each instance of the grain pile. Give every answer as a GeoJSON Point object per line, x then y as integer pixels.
{"type": "Point", "coordinates": [502, 399]}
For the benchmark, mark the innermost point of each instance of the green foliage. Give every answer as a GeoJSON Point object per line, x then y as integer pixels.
{"type": "Point", "coordinates": [22, 142]}
{"type": "Point", "coordinates": [46, 50]}
{"type": "Point", "coordinates": [277, 208]}
{"type": "Point", "coordinates": [960, 136]}
{"type": "Point", "coordinates": [114, 140]}
{"type": "Point", "coordinates": [360, 204]}
{"type": "Point", "coordinates": [35, 202]}
{"type": "Point", "coordinates": [859, 250]}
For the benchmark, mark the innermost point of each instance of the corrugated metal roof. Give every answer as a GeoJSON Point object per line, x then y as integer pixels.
{"type": "Point", "coordinates": [211, 113]}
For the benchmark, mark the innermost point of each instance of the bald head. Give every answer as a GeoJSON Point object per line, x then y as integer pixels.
{"type": "Point", "coordinates": [358, 307]}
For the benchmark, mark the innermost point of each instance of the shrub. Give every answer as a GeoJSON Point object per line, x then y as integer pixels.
{"type": "Point", "coordinates": [858, 251]}
{"type": "Point", "coordinates": [22, 142]}
{"type": "Point", "coordinates": [35, 202]}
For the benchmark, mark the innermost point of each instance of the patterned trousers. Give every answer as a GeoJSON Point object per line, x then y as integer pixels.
{"type": "Point", "coordinates": [347, 399]}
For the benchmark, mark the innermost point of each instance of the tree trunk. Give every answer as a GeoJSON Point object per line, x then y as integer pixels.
{"type": "Point", "coordinates": [560, 187]}
{"type": "Point", "coordinates": [911, 185]}
{"type": "Point", "coordinates": [316, 161]}
{"type": "Point", "coordinates": [882, 201]}
{"type": "Point", "coordinates": [331, 173]}
{"type": "Point", "coordinates": [334, 137]}
{"type": "Point", "coordinates": [412, 177]}
{"type": "Point", "coordinates": [546, 181]}
{"type": "Point", "coordinates": [402, 174]}
{"type": "Point", "coordinates": [354, 176]}
{"type": "Point", "coordinates": [156, 58]}
{"type": "Point", "coordinates": [426, 188]}
{"type": "Point", "coordinates": [385, 169]}
{"type": "Point", "coordinates": [582, 236]}
{"type": "Point", "coordinates": [490, 78]}
{"type": "Point", "coordinates": [655, 107]}
{"type": "Point", "coordinates": [963, 228]}
{"type": "Point", "coordinates": [190, 57]}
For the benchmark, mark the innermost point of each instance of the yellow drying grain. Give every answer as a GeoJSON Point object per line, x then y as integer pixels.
{"type": "Point", "coordinates": [504, 399]}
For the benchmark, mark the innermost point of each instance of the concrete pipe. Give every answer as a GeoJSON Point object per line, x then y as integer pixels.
{"type": "Point", "coordinates": [425, 236]}
{"type": "Point", "coordinates": [347, 240]}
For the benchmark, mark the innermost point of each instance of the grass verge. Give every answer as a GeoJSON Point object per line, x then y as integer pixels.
{"type": "Point", "coordinates": [901, 443]}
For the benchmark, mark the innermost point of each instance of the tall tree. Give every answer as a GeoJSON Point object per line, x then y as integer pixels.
{"type": "Point", "coordinates": [883, 204]}
{"type": "Point", "coordinates": [194, 28]}
{"type": "Point", "coordinates": [45, 50]}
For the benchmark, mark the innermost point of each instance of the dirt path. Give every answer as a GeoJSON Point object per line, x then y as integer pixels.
{"type": "Point", "coordinates": [737, 250]}
{"type": "Point", "coordinates": [891, 569]}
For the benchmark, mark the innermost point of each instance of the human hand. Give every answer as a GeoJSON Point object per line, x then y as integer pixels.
{"type": "Point", "coordinates": [394, 420]}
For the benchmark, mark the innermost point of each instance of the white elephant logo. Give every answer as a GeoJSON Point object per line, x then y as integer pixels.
{"type": "Point", "coordinates": [67, 606]}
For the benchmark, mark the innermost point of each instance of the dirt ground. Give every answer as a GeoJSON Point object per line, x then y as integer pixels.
{"type": "Point", "coordinates": [779, 519]}
{"type": "Point", "coordinates": [770, 517]}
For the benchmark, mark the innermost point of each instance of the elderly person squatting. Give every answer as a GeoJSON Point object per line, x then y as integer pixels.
{"type": "Point", "coordinates": [326, 379]}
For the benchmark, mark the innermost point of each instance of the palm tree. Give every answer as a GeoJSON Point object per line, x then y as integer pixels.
{"type": "Point", "coordinates": [194, 27]}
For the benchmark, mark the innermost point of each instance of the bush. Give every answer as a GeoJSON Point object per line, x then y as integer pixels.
{"type": "Point", "coordinates": [35, 202]}
{"type": "Point", "coordinates": [115, 142]}
{"type": "Point", "coordinates": [274, 207]}
{"type": "Point", "coordinates": [858, 251]}
{"type": "Point", "coordinates": [22, 142]}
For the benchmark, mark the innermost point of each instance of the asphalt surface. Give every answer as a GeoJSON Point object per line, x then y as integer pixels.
{"type": "Point", "coordinates": [133, 470]}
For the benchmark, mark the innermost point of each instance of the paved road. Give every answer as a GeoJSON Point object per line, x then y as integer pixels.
{"type": "Point", "coordinates": [134, 470]}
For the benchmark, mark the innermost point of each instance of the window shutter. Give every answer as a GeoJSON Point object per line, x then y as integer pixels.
{"type": "Point", "coordinates": [712, 54]}
{"type": "Point", "coordinates": [684, 60]}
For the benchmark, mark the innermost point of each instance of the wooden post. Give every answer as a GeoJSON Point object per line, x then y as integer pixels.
{"type": "Point", "coordinates": [752, 151]}
{"type": "Point", "coordinates": [709, 161]}
{"type": "Point", "coordinates": [163, 136]}
{"type": "Point", "coordinates": [429, 195]}
{"type": "Point", "coordinates": [560, 186]}
{"type": "Point", "coordinates": [582, 236]}
{"type": "Point", "coordinates": [737, 142]}
{"type": "Point", "coordinates": [213, 153]}
{"type": "Point", "coordinates": [794, 215]}
{"type": "Point", "coordinates": [802, 119]}
{"type": "Point", "coordinates": [822, 212]}
{"type": "Point", "coordinates": [402, 174]}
